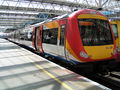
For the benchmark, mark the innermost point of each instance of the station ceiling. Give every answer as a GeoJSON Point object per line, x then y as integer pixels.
{"type": "Point", "coordinates": [14, 13]}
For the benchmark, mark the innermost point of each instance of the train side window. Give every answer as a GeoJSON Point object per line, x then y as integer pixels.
{"type": "Point", "coordinates": [62, 30]}
{"type": "Point", "coordinates": [50, 36]}
{"type": "Point", "coordinates": [115, 30]}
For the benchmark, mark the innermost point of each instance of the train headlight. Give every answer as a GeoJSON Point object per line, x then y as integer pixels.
{"type": "Point", "coordinates": [115, 52]}
{"type": "Point", "coordinates": [83, 54]}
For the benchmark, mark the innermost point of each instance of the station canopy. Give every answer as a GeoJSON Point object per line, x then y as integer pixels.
{"type": "Point", "coordinates": [18, 13]}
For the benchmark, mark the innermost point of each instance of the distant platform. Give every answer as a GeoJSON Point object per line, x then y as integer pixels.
{"type": "Point", "coordinates": [21, 69]}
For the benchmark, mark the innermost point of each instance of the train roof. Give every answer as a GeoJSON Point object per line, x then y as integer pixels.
{"type": "Point", "coordinates": [66, 15]}
{"type": "Point", "coordinates": [55, 18]}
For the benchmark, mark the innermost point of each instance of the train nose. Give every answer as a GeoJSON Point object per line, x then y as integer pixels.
{"type": "Point", "coordinates": [100, 52]}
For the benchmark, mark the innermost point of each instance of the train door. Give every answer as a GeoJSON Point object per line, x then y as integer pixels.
{"type": "Point", "coordinates": [61, 39]}
{"type": "Point", "coordinates": [38, 39]}
{"type": "Point", "coordinates": [50, 36]}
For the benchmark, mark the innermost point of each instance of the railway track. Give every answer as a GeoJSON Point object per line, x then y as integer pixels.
{"type": "Point", "coordinates": [112, 80]}
{"type": "Point", "coordinates": [115, 74]}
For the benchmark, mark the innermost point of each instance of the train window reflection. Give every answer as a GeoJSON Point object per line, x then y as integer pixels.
{"type": "Point", "coordinates": [95, 32]}
{"type": "Point", "coordinates": [115, 30]}
{"type": "Point", "coordinates": [84, 23]}
{"type": "Point", "coordinates": [50, 36]}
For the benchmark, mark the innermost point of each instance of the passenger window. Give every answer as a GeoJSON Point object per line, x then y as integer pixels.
{"type": "Point", "coordinates": [115, 30]}
{"type": "Point", "coordinates": [62, 30]}
{"type": "Point", "coordinates": [50, 36]}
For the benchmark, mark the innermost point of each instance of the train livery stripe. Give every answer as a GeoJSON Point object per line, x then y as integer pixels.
{"type": "Point", "coordinates": [52, 24]}
{"type": "Point", "coordinates": [71, 51]}
{"type": "Point", "coordinates": [93, 16]}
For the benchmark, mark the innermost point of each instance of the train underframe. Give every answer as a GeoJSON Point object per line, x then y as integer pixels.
{"type": "Point", "coordinates": [101, 67]}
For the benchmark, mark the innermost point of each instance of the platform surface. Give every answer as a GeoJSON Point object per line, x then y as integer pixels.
{"type": "Point", "coordinates": [21, 69]}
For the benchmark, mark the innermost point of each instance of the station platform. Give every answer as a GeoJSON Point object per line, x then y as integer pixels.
{"type": "Point", "coordinates": [21, 69]}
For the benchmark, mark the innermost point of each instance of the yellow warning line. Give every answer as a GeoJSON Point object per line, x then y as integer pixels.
{"type": "Point", "coordinates": [52, 76]}
{"type": "Point", "coordinates": [49, 74]}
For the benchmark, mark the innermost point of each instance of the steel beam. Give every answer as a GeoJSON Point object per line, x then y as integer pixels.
{"type": "Point", "coordinates": [17, 14]}
{"type": "Point", "coordinates": [34, 10]}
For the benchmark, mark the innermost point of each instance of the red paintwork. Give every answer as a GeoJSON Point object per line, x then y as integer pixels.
{"type": "Point", "coordinates": [40, 40]}
{"type": "Point", "coordinates": [73, 34]}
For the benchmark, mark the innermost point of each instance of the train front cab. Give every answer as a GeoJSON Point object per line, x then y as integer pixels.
{"type": "Point", "coordinates": [90, 38]}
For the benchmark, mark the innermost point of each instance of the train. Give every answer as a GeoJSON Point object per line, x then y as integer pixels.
{"type": "Point", "coordinates": [115, 24]}
{"type": "Point", "coordinates": [83, 37]}
{"type": "Point", "coordinates": [116, 30]}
